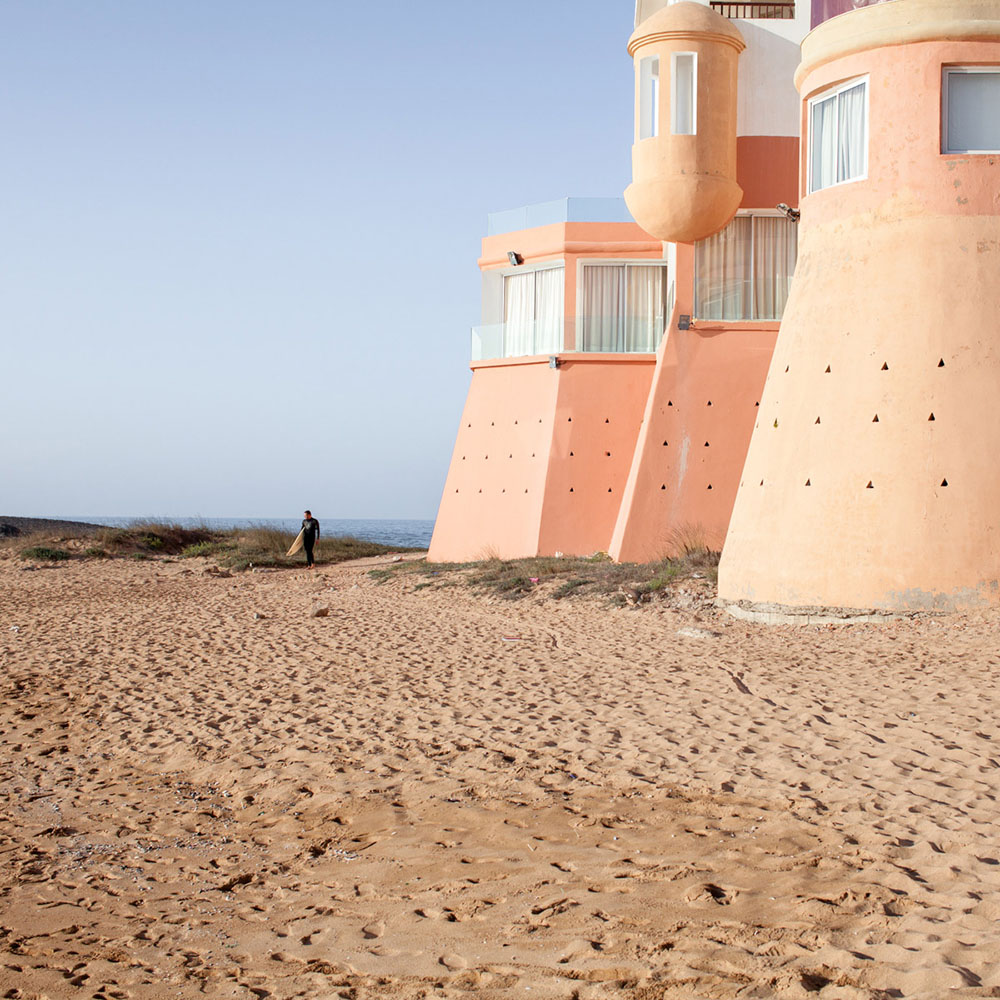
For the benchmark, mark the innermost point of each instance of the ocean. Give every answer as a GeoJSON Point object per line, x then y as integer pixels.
{"type": "Point", "coordinates": [408, 532]}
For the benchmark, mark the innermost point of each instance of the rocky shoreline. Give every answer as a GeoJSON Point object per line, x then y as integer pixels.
{"type": "Point", "coordinates": [12, 527]}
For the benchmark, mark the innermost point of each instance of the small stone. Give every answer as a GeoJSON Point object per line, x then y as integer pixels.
{"type": "Point", "coordinates": [319, 611]}
{"type": "Point", "coordinates": [257, 616]}
{"type": "Point", "coordinates": [453, 961]}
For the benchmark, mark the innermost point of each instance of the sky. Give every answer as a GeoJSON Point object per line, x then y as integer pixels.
{"type": "Point", "coordinates": [238, 238]}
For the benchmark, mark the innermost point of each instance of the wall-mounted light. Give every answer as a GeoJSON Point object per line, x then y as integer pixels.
{"type": "Point", "coordinates": [515, 258]}
{"type": "Point", "coordinates": [789, 213]}
{"type": "Point", "coordinates": [554, 361]}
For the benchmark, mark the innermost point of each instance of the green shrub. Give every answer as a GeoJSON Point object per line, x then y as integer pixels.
{"type": "Point", "coordinates": [200, 549]}
{"type": "Point", "coordinates": [95, 553]}
{"type": "Point", "coordinates": [45, 554]}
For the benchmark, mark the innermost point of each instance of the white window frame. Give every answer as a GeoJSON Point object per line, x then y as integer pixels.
{"type": "Point", "coordinates": [826, 95]}
{"type": "Point", "coordinates": [614, 262]}
{"type": "Point", "coordinates": [744, 213]}
{"type": "Point", "coordinates": [946, 73]}
{"type": "Point", "coordinates": [648, 111]}
{"type": "Point", "coordinates": [522, 270]}
{"type": "Point", "coordinates": [674, 106]}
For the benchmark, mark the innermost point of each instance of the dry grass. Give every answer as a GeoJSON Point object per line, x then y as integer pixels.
{"type": "Point", "coordinates": [559, 578]}
{"type": "Point", "coordinates": [237, 549]}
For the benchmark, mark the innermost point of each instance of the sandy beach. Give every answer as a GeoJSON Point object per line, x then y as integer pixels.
{"type": "Point", "coordinates": [427, 792]}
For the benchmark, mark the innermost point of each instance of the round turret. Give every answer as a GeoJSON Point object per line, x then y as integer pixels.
{"type": "Point", "coordinates": [684, 158]}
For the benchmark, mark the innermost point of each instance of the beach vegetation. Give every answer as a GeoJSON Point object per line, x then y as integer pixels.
{"type": "Point", "coordinates": [549, 577]}
{"type": "Point", "coordinates": [235, 549]}
{"type": "Point", "coordinates": [151, 537]}
{"type": "Point", "coordinates": [44, 553]}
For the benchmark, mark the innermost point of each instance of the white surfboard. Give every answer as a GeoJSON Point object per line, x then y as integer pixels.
{"type": "Point", "coordinates": [297, 544]}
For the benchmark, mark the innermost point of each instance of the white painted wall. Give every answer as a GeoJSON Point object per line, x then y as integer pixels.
{"type": "Point", "coordinates": [768, 103]}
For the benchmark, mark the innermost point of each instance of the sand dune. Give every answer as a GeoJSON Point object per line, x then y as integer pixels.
{"type": "Point", "coordinates": [207, 792]}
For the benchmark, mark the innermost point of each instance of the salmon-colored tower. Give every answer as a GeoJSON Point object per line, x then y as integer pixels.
{"type": "Point", "coordinates": [619, 366]}
{"type": "Point", "coordinates": [871, 480]}
{"type": "Point", "coordinates": [716, 136]}
{"type": "Point", "coordinates": [575, 296]}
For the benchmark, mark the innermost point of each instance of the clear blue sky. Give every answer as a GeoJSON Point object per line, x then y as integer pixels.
{"type": "Point", "coordinates": [238, 238]}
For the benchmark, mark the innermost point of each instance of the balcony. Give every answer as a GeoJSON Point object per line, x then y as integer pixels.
{"type": "Point", "coordinates": [520, 340]}
{"type": "Point", "coordinates": [594, 335]}
{"type": "Point", "coordinates": [754, 11]}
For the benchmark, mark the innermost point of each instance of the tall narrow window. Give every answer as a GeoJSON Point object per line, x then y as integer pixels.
{"type": "Point", "coordinates": [649, 97]}
{"type": "Point", "coordinates": [623, 306]}
{"type": "Point", "coordinates": [971, 110]}
{"type": "Point", "coordinates": [533, 312]}
{"type": "Point", "coordinates": [744, 272]}
{"type": "Point", "coordinates": [684, 93]}
{"type": "Point", "coordinates": [838, 136]}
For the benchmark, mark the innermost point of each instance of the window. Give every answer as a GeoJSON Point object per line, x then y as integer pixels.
{"type": "Point", "coordinates": [649, 97]}
{"type": "Point", "coordinates": [838, 136]}
{"type": "Point", "coordinates": [624, 306]}
{"type": "Point", "coordinates": [744, 271]}
{"type": "Point", "coordinates": [533, 312]}
{"type": "Point", "coordinates": [684, 93]}
{"type": "Point", "coordinates": [971, 102]}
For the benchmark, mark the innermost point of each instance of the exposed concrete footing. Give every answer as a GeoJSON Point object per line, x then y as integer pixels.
{"type": "Point", "coordinates": [784, 614]}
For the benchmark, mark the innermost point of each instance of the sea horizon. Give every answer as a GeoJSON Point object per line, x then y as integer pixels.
{"type": "Point", "coordinates": [414, 532]}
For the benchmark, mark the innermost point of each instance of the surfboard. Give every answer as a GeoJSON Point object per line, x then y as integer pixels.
{"type": "Point", "coordinates": [297, 544]}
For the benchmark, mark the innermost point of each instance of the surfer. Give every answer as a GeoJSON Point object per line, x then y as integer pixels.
{"type": "Point", "coordinates": [310, 535]}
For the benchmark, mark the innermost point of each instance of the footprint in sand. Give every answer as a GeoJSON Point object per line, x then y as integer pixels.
{"type": "Point", "coordinates": [709, 892]}
{"type": "Point", "coordinates": [375, 930]}
{"type": "Point", "coordinates": [578, 948]}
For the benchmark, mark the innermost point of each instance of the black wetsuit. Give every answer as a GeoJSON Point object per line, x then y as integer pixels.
{"type": "Point", "coordinates": [310, 533]}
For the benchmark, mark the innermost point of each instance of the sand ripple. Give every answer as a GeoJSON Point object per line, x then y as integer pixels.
{"type": "Point", "coordinates": [208, 792]}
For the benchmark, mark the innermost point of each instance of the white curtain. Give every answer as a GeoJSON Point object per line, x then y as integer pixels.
{"type": "Point", "coordinates": [603, 307]}
{"type": "Point", "coordinates": [823, 143]}
{"type": "Point", "coordinates": [533, 312]}
{"type": "Point", "coordinates": [775, 248]}
{"type": "Point", "coordinates": [646, 298]}
{"type": "Point", "coordinates": [852, 139]}
{"type": "Point", "coordinates": [723, 269]}
{"type": "Point", "coordinates": [549, 294]}
{"type": "Point", "coordinates": [518, 314]}
{"type": "Point", "coordinates": [973, 111]}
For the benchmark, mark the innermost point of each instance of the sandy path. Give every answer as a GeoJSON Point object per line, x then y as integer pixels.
{"type": "Point", "coordinates": [394, 801]}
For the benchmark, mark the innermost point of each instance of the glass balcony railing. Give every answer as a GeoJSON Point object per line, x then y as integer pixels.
{"type": "Point", "coordinates": [595, 335]}
{"type": "Point", "coordinates": [505, 340]}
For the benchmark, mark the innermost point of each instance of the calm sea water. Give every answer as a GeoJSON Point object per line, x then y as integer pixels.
{"type": "Point", "coordinates": [408, 532]}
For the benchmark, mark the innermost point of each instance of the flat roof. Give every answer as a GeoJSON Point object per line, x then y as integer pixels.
{"type": "Point", "coordinates": [546, 213]}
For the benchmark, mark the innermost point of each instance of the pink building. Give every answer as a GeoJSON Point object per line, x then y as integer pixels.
{"type": "Point", "coordinates": [870, 482]}
{"type": "Point", "coordinates": [619, 365]}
